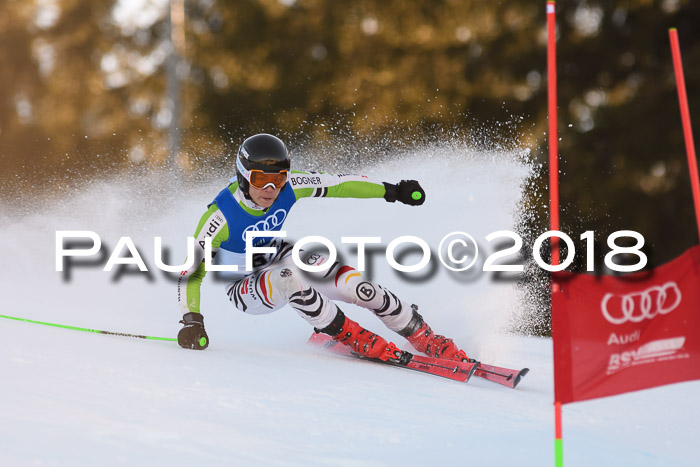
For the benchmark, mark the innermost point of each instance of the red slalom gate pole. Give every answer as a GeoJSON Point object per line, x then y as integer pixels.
{"type": "Point", "coordinates": [553, 130]}
{"type": "Point", "coordinates": [554, 187]}
{"type": "Point", "coordinates": [558, 443]}
{"type": "Point", "coordinates": [685, 117]}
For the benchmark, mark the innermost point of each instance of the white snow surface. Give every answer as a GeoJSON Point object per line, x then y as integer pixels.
{"type": "Point", "coordinates": [259, 395]}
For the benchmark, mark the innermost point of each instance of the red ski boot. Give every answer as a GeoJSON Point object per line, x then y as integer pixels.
{"type": "Point", "coordinates": [359, 339]}
{"type": "Point", "coordinates": [362, 341]}
{"type": "Point", "coordinates": [423, 339]}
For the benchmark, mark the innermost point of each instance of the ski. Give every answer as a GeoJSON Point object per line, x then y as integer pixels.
{"type": "Point", "coordinates": [457, 371]}
{"type": "Point", "coordinates": [504, 376]}
{"type": "Point", "coordinates": [437, 366]}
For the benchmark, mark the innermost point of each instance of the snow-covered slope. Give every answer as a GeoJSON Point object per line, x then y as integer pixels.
{"type": "Point", "coordinates": [259, 395]}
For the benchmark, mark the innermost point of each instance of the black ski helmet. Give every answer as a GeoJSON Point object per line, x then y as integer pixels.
{"type": "Point", "coordinates": [260, 152]}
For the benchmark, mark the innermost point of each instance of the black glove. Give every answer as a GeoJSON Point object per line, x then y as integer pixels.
{"type": "Point", "coordinates": [192, 335]}
{"type": "Point", "coordinates": [406, 191]}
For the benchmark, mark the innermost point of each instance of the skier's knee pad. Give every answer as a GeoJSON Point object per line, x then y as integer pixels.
{"type": "Point", "coordinates": [355, 289]}
{"type": "Point", "coordinates": [287, 280]}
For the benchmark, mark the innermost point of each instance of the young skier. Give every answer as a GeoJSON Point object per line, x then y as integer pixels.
{"type": "Point", "coordinates": [259, 199]}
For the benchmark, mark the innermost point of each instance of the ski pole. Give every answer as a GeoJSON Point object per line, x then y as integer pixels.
{"type": "Point", "coordinates": [494, 372]}
{"type": "Point", "coordinates": [98, 331]}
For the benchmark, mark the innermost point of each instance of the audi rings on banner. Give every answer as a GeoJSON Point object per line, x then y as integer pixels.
{"type": "Point", "coordinates": [638, 306]}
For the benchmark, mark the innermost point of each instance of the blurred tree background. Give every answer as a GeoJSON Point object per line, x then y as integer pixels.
{"type": "Point", "coordinates": [84, 90]}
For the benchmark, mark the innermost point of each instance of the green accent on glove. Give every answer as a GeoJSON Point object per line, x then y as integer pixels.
{"type": "Point", "coordinates": [202, 341]}
{"type": "Point", "coordinates": [416, 195]}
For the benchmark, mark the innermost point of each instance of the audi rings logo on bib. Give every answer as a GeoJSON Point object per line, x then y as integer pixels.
{"type": "Point", "coordinates": [272, 222]}
{"type": "Point", "coordinates": [638, 306]}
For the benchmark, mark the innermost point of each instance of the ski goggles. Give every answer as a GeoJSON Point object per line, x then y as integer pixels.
{"type": "Point", "coordinates": [260, 179]}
